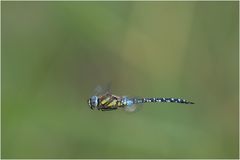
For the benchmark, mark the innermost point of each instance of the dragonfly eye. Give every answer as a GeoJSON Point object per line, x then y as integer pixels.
{"type": "Point", "coordinates": [93, 102]}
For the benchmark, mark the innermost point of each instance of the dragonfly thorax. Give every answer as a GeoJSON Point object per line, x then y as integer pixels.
{"type": "Point", "coordinates": [93, 102]}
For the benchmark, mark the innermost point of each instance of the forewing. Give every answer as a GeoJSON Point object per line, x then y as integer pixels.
{"type": "Point", "coordinates": [102, 89]}
{"type": "Point", "coordinates": [131, 108]}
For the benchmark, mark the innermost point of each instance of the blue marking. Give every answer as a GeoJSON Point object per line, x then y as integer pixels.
{"type": "Point", "coordinates": [127, 102]}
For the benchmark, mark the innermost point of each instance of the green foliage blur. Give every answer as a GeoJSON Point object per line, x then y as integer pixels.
{"type": "Point", "coordinates": [54, 54]}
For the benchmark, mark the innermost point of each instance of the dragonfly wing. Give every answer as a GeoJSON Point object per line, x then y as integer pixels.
{"type": "Point", "coordinates": [131, 108]}
{"type": "Point", "coordinates": [98, 90]}
{"type": "Point", "coordinates": [102, 89]}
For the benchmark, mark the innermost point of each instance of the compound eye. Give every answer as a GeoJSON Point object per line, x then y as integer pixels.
{"type": "Point", "coordinates": [94, 101]}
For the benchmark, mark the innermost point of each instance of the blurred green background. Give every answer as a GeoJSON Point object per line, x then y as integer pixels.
{"type": "Point", "coordinates": [55, 53]}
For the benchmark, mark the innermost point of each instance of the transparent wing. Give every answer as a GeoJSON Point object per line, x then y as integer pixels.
{"type": "Point", "coordinates": [98, 90]}
{"type": "Point", "coordinates": [131, 108]}
{"type": "Point", "coordinates": [102, 89]}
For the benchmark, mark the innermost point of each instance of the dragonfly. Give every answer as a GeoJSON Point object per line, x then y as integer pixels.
{"type": "Point", "coordinates": [107, 101]}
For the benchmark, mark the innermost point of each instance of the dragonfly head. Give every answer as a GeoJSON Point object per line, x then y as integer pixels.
{"type": "Point", "coordinates": [93, 102]}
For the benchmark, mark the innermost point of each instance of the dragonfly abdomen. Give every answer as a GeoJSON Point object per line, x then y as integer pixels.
{"type": "Point", "coordinates": [171, 100]}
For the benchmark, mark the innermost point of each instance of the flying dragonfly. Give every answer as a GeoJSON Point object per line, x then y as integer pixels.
{"type": "Point", "coordinates": [109, 102]}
